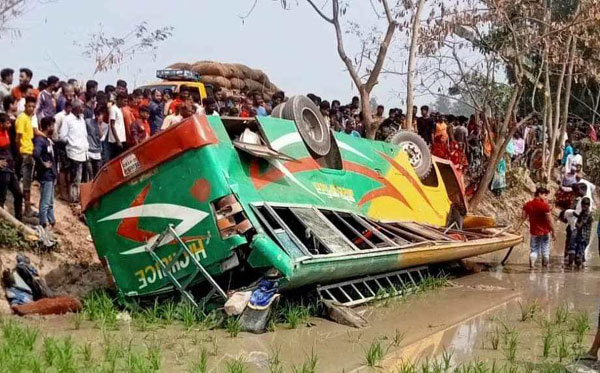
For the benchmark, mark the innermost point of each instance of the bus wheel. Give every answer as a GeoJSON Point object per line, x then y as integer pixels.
{"type": "Point", "coordinates": [310, 123]}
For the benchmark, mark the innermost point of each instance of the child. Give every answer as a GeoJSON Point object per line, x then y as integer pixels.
{"type": "Point", "coordinates": [43, 154]}
{"type": "Point", "coordinates": [580, 236]}
{"type": "Point", "coordinates": [140, 130]}
{"type": "Point", "coordinates": [8, 178]}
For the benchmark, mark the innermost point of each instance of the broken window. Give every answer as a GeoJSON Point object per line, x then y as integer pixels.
{"type": "Point", "coordinates": [308, 231]}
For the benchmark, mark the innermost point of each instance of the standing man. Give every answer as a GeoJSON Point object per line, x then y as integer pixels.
{"type": "Point", "coordinates": [46, 105]}
{"type": "Point", "coordinates": [67, 95]}
{"type": "Point", "coordinates": [156, 110]}
{"type": "Point", "coordinates": [94, 137]}
{"type": "Point", "coordinates": [6, 80]}
{"type": "Point", "coordinates": [46, 171]}
{"type": "Point", "coordinates": [541, 227]}
{"type": "Point", "coordinates": [121, 87]}
{"type": "Point", "coordinates": [426, 125]}
{"type": "Point", "coordinates": [379, 116]}
{"type": "Point", "coordinates": [8, 178]}
{"type": "Point", "coordinates": [116, 130]}
{"type": "Point", "coordinates": [73, 132]}
{"type": "Point", "coordinates": [24, 138]}
{"type": "Point", "coordinates": [25, 76]}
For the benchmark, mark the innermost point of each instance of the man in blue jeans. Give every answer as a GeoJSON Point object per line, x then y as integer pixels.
{"type": "Point", "coordinates": [43, 153]}
{"type": "Point", "coordinates": [541, 227]}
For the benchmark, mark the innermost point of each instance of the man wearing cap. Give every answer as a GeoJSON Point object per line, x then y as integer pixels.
{"type": "Point", "coordinates": [541, 227]}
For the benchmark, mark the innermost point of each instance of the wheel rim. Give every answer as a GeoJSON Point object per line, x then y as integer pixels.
{"type": "Point", "coordinates": [415, 156]}
{"type": "Point", "coordinates": [311, 124]}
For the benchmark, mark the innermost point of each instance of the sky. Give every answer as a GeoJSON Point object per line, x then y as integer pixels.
{"type": "Point", "coordinates": [294, 47]}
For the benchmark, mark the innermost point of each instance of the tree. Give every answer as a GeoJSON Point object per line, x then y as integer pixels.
{"type": "Point", "coordinates": [9, 10]}
{"type": "Point", "coordinates": [412, 58]}
{"type": "Point", "coordinates": [110, 52]}
{"type": "Point", "coordinates": [370, 42]}
{"type": "Point", "coordinates": [507, 34]}
{"type": "Point", "coordinates": [443, 104]}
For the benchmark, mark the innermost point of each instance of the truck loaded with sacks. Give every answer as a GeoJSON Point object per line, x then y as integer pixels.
{"type": "Point", "coordinates": [214, 204]}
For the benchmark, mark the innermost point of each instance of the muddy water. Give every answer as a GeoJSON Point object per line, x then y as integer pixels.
{"type": "Point", "coordinates": [455, 319]}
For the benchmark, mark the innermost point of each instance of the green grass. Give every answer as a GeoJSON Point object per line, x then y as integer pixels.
{"type": "Point", "coordinates": [294, 314]}
{"type": "Point", "coordinates": [511, 343]}
{"type": "Point", "coordinates": [375, 353]}
{"type": "Point", "coordinates": [548, 341]}
{"type": "Point", "coordinates": [309, 365]}
{"type": "Point", "coordinates": [233, 326]}
{"type": "Point", "coordinates": [561, 315]}
{"type": "Point", "coordinates": [275, 363]}
{"type": "Point", "coordinates": [236, 366]}
{"type": "Point", "coordinates": [100, 307]}
{"type": "Point", "coordinates": [201, 366]}
{"type": "Point", "coordinates": [494, 338]}
{"type": "Point", "coordinates": [529, 310]}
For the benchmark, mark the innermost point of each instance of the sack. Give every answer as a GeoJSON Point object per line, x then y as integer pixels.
{"type": "Point", "coordinates": [209, 68]}
{"type": "Point", "coordinates": [217, 81]}
{"type": "Point", "coordinates": [237, 83]}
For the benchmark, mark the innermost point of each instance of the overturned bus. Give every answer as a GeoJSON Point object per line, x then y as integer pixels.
{"type": "Point", "coordinates": [220, 202]}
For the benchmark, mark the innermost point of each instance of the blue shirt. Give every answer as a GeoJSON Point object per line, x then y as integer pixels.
{"type": "Point", "coordinates": [156, 116]}
{"type": "Point", "coordinates": [568, 151]}
{"type": "Point", "coordinates": [44, 152]}
{"type": "Point", "coordinates": [261, 111]}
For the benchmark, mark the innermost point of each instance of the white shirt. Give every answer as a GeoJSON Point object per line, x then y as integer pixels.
{"type": "Point", "coordinates": [117, 115]}
{"type": "Point", "coordinates": [171, 120]}
{"type": "Point", "coordinates": [73, 131]}
{"type": "Point", "coordinates": [21, 105]}
{"type": "Point", "coordinates": [572, 161]}
{"type": "Point", "coordinates": [5, 90]}
{"type": "Point", "coordinates": [58, 120]}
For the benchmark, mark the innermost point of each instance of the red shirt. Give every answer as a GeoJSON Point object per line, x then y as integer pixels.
{"type": "Point", "coordinates": [536, 211]}
{"type": "Point", "coordinates": [174, 104]}
{"type": "Point", "coordinates": [4, 139]}
{"type": "Point", "coordinates": [17, 94]}
{"type": "Point", "coordinates": [128, 119]}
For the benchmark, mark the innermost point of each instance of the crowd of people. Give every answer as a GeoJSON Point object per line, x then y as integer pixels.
{"type": "Point", "coordinates": [62, 132]}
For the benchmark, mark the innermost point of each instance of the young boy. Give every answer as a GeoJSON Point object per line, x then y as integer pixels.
{"type": "Point", "coordinates": [580, 236]}
{"type": "Point", "coordinates": [8, 178]}
{"type": "Point", "coordinates": [140, 130]}
{"type": "Point", "coordinates": [540, 226]}
{"type": "Point", "coordinates": [24, 138]}
{"type": "Point", "coordinates": [46, 171]}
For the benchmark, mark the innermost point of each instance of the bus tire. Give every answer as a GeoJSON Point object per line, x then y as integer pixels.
{"type": "Point", "coordinates": [417, 150]}
{"type": "Point", "coordinates": [310, 124]}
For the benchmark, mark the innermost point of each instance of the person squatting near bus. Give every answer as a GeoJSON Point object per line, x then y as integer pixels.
{"type": "Point", "coordinates": [541, 227]}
